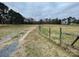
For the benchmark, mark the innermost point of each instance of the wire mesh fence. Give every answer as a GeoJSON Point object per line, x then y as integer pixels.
{"type": "Point", "coordinates": [61, 34]}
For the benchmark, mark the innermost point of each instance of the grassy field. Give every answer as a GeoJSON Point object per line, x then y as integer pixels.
{"type": "Point", "coordinates": [35, 45]}
{"type": "Point", "coordinates": [8, 33]}
{"type": "Point", "coordinates": [8, 29]}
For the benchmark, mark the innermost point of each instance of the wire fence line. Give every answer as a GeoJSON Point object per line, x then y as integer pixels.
{"type": "Point", "coordinates": [59, 36]}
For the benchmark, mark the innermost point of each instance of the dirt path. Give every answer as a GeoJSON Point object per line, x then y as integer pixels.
{"type": "Point", "coordinates": [20, 47]}
{"type": "Point", "coordinates": [30, 30]}
{"type": "Point", "coordinates": [35, 45]}
{"type": "Point", "coordinates": [14, 45]}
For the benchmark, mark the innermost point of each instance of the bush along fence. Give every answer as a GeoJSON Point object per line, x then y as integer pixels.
{"type": "Point", "coordinates": [59, 36]}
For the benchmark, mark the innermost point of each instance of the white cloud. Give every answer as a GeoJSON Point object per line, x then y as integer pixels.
{"type": "Point", "coordinates": [48, 9]}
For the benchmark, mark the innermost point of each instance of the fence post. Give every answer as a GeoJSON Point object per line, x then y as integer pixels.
{"type": "Point", "coordinates": [60, 38]}
{"type": "Point", "coordinates": [49, 33]}
{"type": "Point", "coordinates": [39, 27]}
{"type": "Point", "coordinates": [75, 41]}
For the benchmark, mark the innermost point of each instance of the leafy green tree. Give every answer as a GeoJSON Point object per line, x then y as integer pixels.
{"type": "Point", "coordinates": [15, 18]}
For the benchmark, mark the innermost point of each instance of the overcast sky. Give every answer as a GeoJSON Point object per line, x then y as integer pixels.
{"type": "Point", "coordinates": [45, 9]}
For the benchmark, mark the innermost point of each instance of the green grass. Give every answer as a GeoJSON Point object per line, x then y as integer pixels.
{"type": "Point", "coordinates": [45, 31]}
{"type": "Point", "coordinates": [35, 45]}
{"type": "Point", "coordinates": [12, 30]}
{"type": "Point", "coordinates": [8, 29]}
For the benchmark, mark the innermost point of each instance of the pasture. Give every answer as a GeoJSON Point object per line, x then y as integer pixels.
{"type": "Point", "coordinates": [9, 33]}
{"type": "Point", "coordinates": [39, 42]}
{"type": "Point", "coordinates": [8, 29]}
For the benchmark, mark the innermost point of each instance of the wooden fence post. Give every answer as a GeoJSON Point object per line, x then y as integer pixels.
{"type": "Point", "coordinates": [60, 38]}
{"type": "Point", "coordinates": [49, 33]}
{"type": "Point", "coordinates": [39, 27]}
{"type": "Point", "coordinates": [75, 41]}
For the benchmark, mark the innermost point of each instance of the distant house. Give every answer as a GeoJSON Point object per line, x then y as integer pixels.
{"type": "Point", "coordinates": [68, 20]}
{"type": "Point", "coordinates": [64, 21]}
